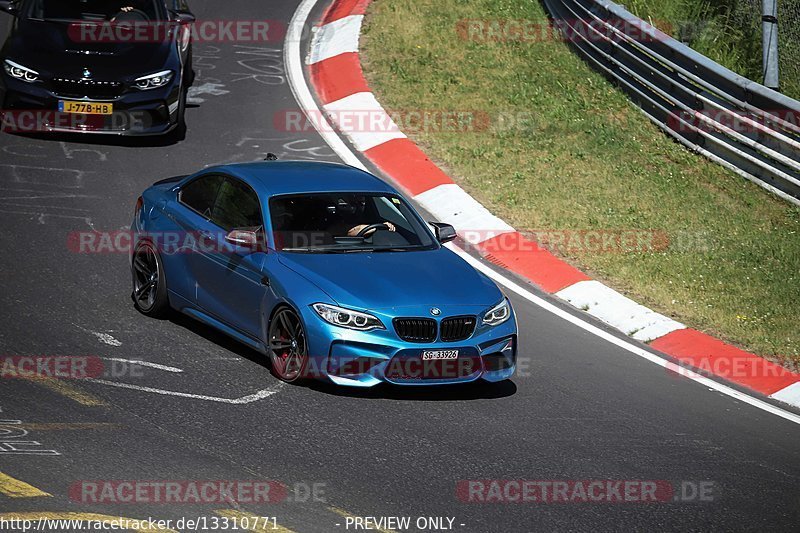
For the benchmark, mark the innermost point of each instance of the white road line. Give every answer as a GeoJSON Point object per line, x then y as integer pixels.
{"type": "Point", "coordinates": [102, 337]}
{"type": "Point", "coordinates": [297, 82]}
{"type": "Point", "coordinates": [146, 363]}
{"type": "Point", "coordinates": [260, 395]}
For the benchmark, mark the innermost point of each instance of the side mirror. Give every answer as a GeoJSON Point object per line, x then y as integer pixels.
{"type": "Point", "coordinates": [444, 232]}
{"type": "Point", "coordinates": [183, 17]}
{"type": "Point", "coordinates": [9, 6]}
{"type": "Point", "coordinates": [243, 238]}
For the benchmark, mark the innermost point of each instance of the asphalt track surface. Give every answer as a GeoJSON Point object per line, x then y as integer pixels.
{"type": "Point", "coordinates": [581, 409]}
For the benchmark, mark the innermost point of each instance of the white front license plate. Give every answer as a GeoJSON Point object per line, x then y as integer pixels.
{"type": "Point", "coordinates": [429, 355]}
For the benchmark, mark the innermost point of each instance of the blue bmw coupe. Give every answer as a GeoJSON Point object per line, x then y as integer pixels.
{"type": "Point", "coordinates": [324, 268]}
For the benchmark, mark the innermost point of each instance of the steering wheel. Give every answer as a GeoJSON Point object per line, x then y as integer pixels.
{"type": "Point", "coordinates": [372, 228]}
{"type": "Point", "coordinates": [134, 15]}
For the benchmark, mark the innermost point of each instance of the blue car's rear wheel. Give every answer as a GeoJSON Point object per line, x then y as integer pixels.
{"type": "Point", "coordinates": [288, 348]}
{"type": "Point", "coordinates": [149, 284]}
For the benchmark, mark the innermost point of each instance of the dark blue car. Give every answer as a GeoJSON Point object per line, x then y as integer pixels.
{"type": "Point", "coordinates": [324, 268]}
{"type": "Point", "coordinates": [96, 66]}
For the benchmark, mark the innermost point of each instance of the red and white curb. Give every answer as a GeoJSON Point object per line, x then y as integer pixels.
{"type": "Point", "coordinates": [334, 69]}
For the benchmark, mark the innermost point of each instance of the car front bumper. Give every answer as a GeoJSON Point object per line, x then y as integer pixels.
{"type": "Point", "coordinates": [364, 359]}
{"type": "Point", "coordinates": [34, 108]}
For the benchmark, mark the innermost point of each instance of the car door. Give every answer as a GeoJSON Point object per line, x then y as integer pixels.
{"type": "Point", "coordinates": [231, 283]}
{"type": "Point", "coordinates": [189, 214]}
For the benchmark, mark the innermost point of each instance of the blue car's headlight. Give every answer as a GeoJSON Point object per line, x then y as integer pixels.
{"type": "Point", "coordinates": [153, 81]}
{"type": "Point", "coordinates": [498, 314]}
{"type": "Point", "coordinates": [347, 318]}
{"type": "Point", "coordinates": [15, 70]}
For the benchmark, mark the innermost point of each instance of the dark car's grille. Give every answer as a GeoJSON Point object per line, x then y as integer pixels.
{"type": "Point", "coordinates": [416, 329]}
{"type": "Point", "coordinates": [87, 88]}
{"type": "Point", "coordinates": [457, 328]}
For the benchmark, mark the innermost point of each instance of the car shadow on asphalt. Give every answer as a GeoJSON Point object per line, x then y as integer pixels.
{"type": "Point", "coordinates": [96, 139]}
{"type": "Point", "coordinates": [217, 337]}
{"type": "Point", "coordinates": [477, 390]}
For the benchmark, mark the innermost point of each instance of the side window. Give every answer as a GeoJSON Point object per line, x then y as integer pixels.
{"type": "Point", "coordinates": [237, 206]}
{"type": "Point", "coordinates": [388, 210]}
{"type": "Point", "coordinates": [180, 5]}
{"type": "Point", "coordinates": [201, 193]}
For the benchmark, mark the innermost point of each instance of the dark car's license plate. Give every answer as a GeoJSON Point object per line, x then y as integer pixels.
{"type": "Point", "coordinates": [430, 355]}
{"type": "Point", "coordinates": [85, 108]}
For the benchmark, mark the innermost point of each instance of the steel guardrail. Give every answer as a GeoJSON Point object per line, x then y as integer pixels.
{"type": "Point", "coordinates": [736, 122]}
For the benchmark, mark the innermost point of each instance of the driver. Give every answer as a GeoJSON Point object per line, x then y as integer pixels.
{"type": "Point", "coordinates": [354, 231]}
{"type": "Point", "coordinates": [126, 6]}
{"type": "Point", "coordinates": [352, 215]}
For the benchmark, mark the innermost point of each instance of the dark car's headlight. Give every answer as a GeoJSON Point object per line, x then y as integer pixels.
{"type": "Point", "coordinates": [153, 81]}
{"type": "Point", "coordinates": [497, 314]}
{"type": "Point", "coordinates": [347, 318]}
{"type": "Point", "coordinates": [15, 70]}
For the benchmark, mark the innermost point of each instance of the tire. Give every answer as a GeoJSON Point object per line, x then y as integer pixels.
{"type": "Point", "coordinates": [288, 347]}
{"type": "Point", "coordinates": [149, 282]}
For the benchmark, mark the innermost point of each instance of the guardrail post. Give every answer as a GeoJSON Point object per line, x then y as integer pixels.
{"type": "Point", "coordinates": [769, 40]}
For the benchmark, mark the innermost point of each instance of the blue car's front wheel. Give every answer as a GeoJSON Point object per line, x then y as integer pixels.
{"type": "Point", "coordinates": [149, 283]}
{"type": "Point", "coordinates": [288, 348]}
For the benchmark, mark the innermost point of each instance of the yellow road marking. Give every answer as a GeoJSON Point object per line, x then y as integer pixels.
{"type": "Point", "coordinates": [15, 488]}
{"type": "Point", "coordinates": [70, 391]}
{"type": "Point", "coordinates": [258, 524]}
{"type": "Point", "coordinates": [133, 524]}
{"type": "Point", "coordinates": [345, 514]}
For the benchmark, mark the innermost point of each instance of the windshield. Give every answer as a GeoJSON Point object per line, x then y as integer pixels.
{"type": "Point", "coordinates": [96, 10]}
{"type": "Point", "coordinates": [346, 222]}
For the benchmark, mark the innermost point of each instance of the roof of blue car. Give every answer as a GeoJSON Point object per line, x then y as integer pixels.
{"type": "Point", "coordinates": [286, 177]}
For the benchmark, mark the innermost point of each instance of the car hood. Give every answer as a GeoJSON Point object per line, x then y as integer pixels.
{"type": "Point", "coordinates": [395, 279]}
{"type": "Point", "coordinates": [57, 49]}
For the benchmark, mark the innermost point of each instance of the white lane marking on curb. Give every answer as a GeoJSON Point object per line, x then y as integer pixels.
{"type": "Point", "coordinates": [293, 60]}
{"type": "Point", "coordinates": [633, 319]}
{"type": "Point", "coordinates": [337, 37]}
{"type": "Point", "coordinates": [625, 345]}
{"type": "Point", "coordinates": [260, 395]}
{"type": "Point", "coordinates": [363, 120]}
{"type": "Point", "coordinates": [146, 363]}
{"type": "Point", "coordinates": [790, 394]}
{"type": "Point", "coordinates": [303, 95]}
{"type": "Point", "coordinates": [450, 203]}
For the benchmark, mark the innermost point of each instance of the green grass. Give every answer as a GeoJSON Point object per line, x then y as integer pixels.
{"type": "Point", "coordinates": [585, 158]}
{"type": "Point", "coordinates": [729, 32]}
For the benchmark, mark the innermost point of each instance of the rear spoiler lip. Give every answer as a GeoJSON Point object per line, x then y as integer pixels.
{"type": "Point", "coordinates": [173, 179]}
